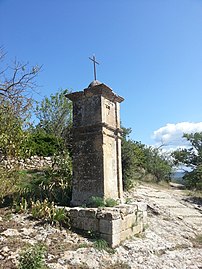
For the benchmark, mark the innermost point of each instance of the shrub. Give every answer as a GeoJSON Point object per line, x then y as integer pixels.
{"type": "Point", "coordinates": [32, 258]}
{"type": "Point", "coordinates": [53, 183]}
{"type": "Point", "coordinates": [193, 179]}
{"type": "Point", "coordinates": [41, 143]}
{"type": "Point", "coordinates": [110, 202]}
{"type": "Point", "coordinates": [48, 212]}
{"type": "Point", "coordinates": [101, 244]}
{"type": "Point", "coordinates": [8, 181]}
{"type": "Point", "coordinates": [96, 201]}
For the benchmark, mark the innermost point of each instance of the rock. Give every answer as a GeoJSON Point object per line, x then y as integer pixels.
{"type": "Point", "coordinates": [5, 249]}
{"type": "Point", "coordinates": [10, 232]}
{"type": "Point", "coordinates": [27, 231]}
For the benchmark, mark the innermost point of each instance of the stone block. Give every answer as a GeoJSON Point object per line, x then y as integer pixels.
{"type": "Point", "coordinates": [129, 221]}
{"type": "Point", "coordinates": [78, 223]}
{"type": "Point", "coordinates": [113, 240]}
{"type": "Point", "coordinates": [125, 234]}
{"type": "Point", "coordinates": [108, 213]}
{"type": "Point", "coordinates": [128, 209]}
{"type": "Point", "coordinates": [131, 231]}
{"type": "Point", "coordinates": [73, 212]}
{"type": "Point", "coordinates": [91, 213]}
{"type": "Point", "coordinates": [82, 213]}
{"type": "Point", "coordinates": [105, 226]}
{"type": "Point", "coordinates": [90, 224]}
{"type": "Point", "coordinates": [113, 224]}
{"type": "Point", "coordinates": [141, 206]}
{"type": "Point", "coordinates": [137, 228]}
{"type": "Point", "coordinates": [110, 226]}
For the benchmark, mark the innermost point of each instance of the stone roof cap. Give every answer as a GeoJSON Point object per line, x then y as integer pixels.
{"type": "Point", "coordinates": [96, 88]}
{"type": "Point", "coordinates": [94, 83]}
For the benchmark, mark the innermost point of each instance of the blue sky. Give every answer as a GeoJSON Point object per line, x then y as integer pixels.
{"type": "Point", "coordinates": [150, 52]}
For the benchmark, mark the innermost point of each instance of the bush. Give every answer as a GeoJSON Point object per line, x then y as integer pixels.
{"type": "Point", "coordinates": [96, 201]}
{"type": "Point", "coordinates": [193, 179]}
{"type": "Point", "coordinates": [32, 258]}
{"type": "Point", "coordinates": [48, 212]}
{"type": "Point", "coordinates": [8, 181]}
{"type": "Point", "coordinates": [133, 159]}
{"type": "Point", "coordinates": [53, 183]}
{"type": "Point", "coordinates": [41, 143]}
{"type": "Point", "coordinates": [101, 244]}
{"type": "Point", "coordinates": [191, 158]}
{"type": "Point", "coordinates": [109, 202]}
{"type": "Point", "coordinates": [138, 160]}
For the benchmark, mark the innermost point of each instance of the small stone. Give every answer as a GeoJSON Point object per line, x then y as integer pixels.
{"type": "Point", "coordinates": [5, 249]}
{"type": "Point", "coordinates": [26, 231]}
{"type": "Point", "coordinates": [61, 261]}
{"type": "Point", "coordinates": [10, 232]}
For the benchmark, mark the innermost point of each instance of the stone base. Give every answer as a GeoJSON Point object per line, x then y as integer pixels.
{"type": "Point", "coordinates": [114, 224]}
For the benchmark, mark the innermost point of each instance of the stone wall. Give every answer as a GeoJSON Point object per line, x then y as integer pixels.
{"type": "Point", "coordinates": [34, 162]}
{"type": "Point", "coordinates": [114, 224]}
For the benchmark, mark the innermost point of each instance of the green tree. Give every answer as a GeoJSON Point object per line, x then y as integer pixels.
{"type": "Point", "coordinates": [11, 131]}
{"type": "Point", "coordinates": [55, 117]}
{"type": "Point", "coordinates": [39, 143]}
{"type": "Point", "coordinates": [157, 164]}
{"type": "Point", "coordinates": [16, 84]}
{"type": "Point", "coordinates": [54, 113]}
{"type": "Point", "coordinates": [191, 158]}
{"type": "Point", "coordinates": [139, 160]}
{"type": "Point", "coordinates": [133, 159]}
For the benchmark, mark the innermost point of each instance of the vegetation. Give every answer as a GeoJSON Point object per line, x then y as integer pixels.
{"type": "Point", "coordinates": [16, 85]}
{"type": "Point", "coordinates": [191, 158]}
{"type": "Point", "coordinates": [40, 143]}
{"type": "Point", "coordinates": [52, 183]}
{"type": "Point", "coordinates": [101, 244]}
{"type": "Point", "coordinates": [36, 190]}
{"type": "Point", "coordinates": [48, 212]}
{"type": "Point", "coordinates": [32, 257]}
{"type": "Point", "coordinates": [96, 201]}
{"type": "Point", "coordinates": [55, 117]}
{"type": "Point", "coordinates": [139, 161]}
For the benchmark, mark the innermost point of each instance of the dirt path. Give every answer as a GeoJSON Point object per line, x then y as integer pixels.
{"type": "Point", "coordinates": [174, 202]}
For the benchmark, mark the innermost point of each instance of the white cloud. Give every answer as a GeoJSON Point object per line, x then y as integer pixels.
{"type": "Point", "coordinates": [171, 134]}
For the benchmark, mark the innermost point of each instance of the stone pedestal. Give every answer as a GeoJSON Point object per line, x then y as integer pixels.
{"type": "Point", "coordinates": [112, 224]}
{"type": "Point", "coordinates": [96, 144]}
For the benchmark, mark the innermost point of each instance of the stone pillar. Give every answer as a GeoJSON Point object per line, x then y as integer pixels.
{"type": "Point", "coordinates": [96, 144]}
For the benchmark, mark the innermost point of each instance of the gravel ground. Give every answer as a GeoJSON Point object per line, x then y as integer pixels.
{"type": "Point", "coordinates": [172, 239]}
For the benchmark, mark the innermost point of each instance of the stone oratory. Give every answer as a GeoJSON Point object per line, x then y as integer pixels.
{"type": "Point", "coordinates": [97, 166]}
{"type": "Point", "coordinates": [97, 144]}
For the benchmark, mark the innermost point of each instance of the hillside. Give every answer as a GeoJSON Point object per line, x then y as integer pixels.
{"type": "Point", "coordinates": [172, 239]}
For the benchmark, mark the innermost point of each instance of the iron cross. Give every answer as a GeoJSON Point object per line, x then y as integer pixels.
{"type": "Point", "coordinates": [94, 64]}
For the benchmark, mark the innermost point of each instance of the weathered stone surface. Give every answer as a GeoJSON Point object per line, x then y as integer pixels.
{"type": "Point", "coordinates": [10, 232]}
{"type": "Point", "coordinates": [113, 224]}
{"type": "Point", "coordinates": [96, 144]}
{"type": "Point", "coordinates": [169, 242]}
